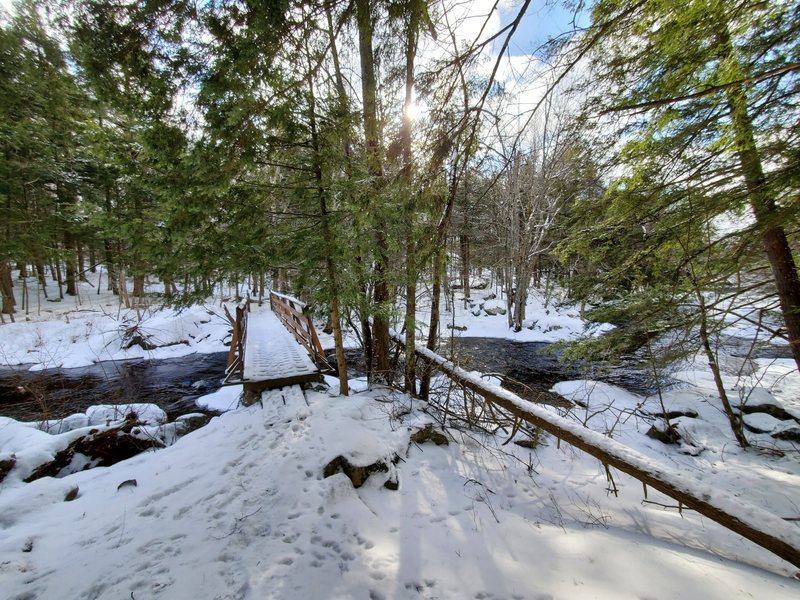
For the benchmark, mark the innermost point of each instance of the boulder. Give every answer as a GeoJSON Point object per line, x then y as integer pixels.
{"type": "Point", "coordinates": [6, 464]}
{"type": "Point", "coordinates": [493, 307]}
{"type": "Point", "coordinates": [58, 426]}
{"type": "Point", "coordinates": [760, 422]}
{"type": "Point", "coordinates": [96, 449]}
{"type": "Point", "coordinates": [479, 283]}
{"type": "Point", "coordinates": [191, 422]}
{"type": "Point", "coordinates": [357, 474]}
{"type": "Point", "coordinates": [788, 431]}
{"type": "Point", "coordinates": [759, 400]}
{"type": "Point", "coordinates": [429, 434]}
{"type": "Point", "coordinates": [664, 434]}
{"type": "Point", "coordinates": [108, 414]}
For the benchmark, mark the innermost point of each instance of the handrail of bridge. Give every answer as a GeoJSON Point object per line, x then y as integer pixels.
{"type": "Point", "coordinates": [235, 363]}
{"type": "Point", "coordinates": [296, 317]}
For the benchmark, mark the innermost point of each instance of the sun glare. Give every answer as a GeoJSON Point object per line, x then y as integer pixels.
{"type": "Point", "coordinates": [416, 111]}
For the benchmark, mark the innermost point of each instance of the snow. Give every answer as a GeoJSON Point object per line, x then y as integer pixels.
{"type": "Point", "coordinates": [80, 331]}
{"type": "Point", "coordinates": [108, 414]}
{"type": "Point", "coordinates": [271, 351]}
{"type": "Point", "coordinates": [547, 320]}
{"type": "Point", "coordinates": [224, 399]}
{"type": "Point", "coordinates": [239, 509]}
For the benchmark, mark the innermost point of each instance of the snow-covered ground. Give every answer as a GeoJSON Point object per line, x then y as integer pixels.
{"type": "Point", "coordinates": [484, 315]}
{"type": "Point", "coordinates": [240, 509]}
{"type": "Point", "coordinates": [91, 327]}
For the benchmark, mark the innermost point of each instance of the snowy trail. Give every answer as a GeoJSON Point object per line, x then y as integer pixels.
{"type": "Point", "coordinates": [239, 509]}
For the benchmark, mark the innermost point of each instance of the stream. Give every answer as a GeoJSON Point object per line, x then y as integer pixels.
{"type": "Point", "coordinates": [173, 384]}
{"type": "Point", "coordinates": [529, 369]}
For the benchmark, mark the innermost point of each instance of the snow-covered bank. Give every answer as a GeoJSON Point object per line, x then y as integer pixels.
{"type": "Point", "coordinates": [91, 327]}
{"type": "Point", "coordinates": [239, 509]}
{"type": "Point", "coordinates": [484, 315]}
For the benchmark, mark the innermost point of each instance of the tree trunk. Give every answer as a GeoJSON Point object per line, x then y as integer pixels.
{"type": "Point", "coordinates": [463, 244]}
{"type": "Point", "coordinates": [369, 87]}
{"type": "Point", "coordinates": [439, 258]}
{"type": "Point", "coordinates": [733, 420]}
{"type": "Point", "coordinates": [138, 286]}
{"type": "Point", "coordinates": [412, 37]}
{"type": "Point", "coordinates": [81, 262]}
{"type": "Point", "coordinates": [40, 276]}
{"type": "Point", "coordinates": [521, 297]}
{"type": "Point", "coordinates": [59, 279]}
{"type": "Point", "coordinates": [327, 234]}
{"type": "Point", "coordinates": [7, 290]}
{"type": "Point", "coordinates": [69, 262]}
{"type": "Point", "coordinates": [762, 203]}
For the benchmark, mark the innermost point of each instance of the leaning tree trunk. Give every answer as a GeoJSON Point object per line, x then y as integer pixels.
{"type": "Point", "coordinates": [762, 203]}
{"type": "Point", "coordinates": [439, 260]}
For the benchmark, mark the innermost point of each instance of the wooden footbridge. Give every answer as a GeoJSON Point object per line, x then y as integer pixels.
{"type": "Point", "coordinates": [273, 346]}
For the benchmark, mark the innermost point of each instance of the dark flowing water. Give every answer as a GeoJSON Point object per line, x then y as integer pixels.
{"type": "Point", "coordinates": [529, 369]}
{"type": "Point", "coordinates": [171, 383]}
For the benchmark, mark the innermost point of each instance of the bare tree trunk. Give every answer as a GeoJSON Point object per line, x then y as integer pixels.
{"type": "Point", "coordinates": [521, 297]}
{"type": "Point", "coordinates": [69, 261]}
{"type": "Point", "coordinates": [40, 277]}
{"type": "Point", "coordinates": [733, 419]}
{"type": "Point", "coordinates": [327, 234]}
{"type": "Point", "coordinates": [439, 258]}
{"type": "Point", "coordinates": [7, 290]}
{"type": "Point", "coordinates": [123, 288]}
{"type": "Point", "coordinates": [138, 286]}
{"type": "Point", "coordinates": [463, 245]}
{"type": "Point", "coordinates": [59, 279]}
{"type": "Point", "coordinates": [81, 261]}
{"type": "Point", "coordinates": [412, 38]}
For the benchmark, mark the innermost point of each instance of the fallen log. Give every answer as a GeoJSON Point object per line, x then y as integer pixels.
{"type": "Point", "coordinates": [751, 522]}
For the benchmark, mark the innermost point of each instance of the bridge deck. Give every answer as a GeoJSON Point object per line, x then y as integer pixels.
{"type": "Point", "coordinates": [272, 355]}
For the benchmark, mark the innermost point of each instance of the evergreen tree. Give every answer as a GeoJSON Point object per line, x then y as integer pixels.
{"type": "Point", "coordinates": [707, 95]}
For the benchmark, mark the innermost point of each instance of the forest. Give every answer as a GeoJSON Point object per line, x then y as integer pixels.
{"type": "Point", "coordinates": [634, 164]}
{"type": "Point", "coordinates": [369, 156]}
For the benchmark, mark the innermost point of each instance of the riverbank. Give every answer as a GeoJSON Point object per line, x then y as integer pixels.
{"type": "Point", "coordinates": [242, 509]}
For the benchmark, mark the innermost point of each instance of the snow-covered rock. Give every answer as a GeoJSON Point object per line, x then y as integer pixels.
{"type": "Point", "coordinates": [107, 414]}
{"type": "Point", "coordinates": [224, 399]}
{"type": "Point", "coordinates": [494, 307]}
{"type": "Point", "coordinates": [70, 423]}
{"type": "Point", "coordinates": [761, 422]}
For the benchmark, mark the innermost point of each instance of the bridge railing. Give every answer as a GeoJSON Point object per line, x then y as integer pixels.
{"type": "Point", "coordinates": [296, 317]}
{"type": "Point", "coordinates": [235, 363]}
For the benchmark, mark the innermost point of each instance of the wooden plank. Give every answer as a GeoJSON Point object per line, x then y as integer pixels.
{"type": "Point", "coordinates": [772, 533]}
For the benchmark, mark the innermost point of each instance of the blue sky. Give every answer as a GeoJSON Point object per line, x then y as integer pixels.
{"type": "Point", "coordinates": [538, 25]}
